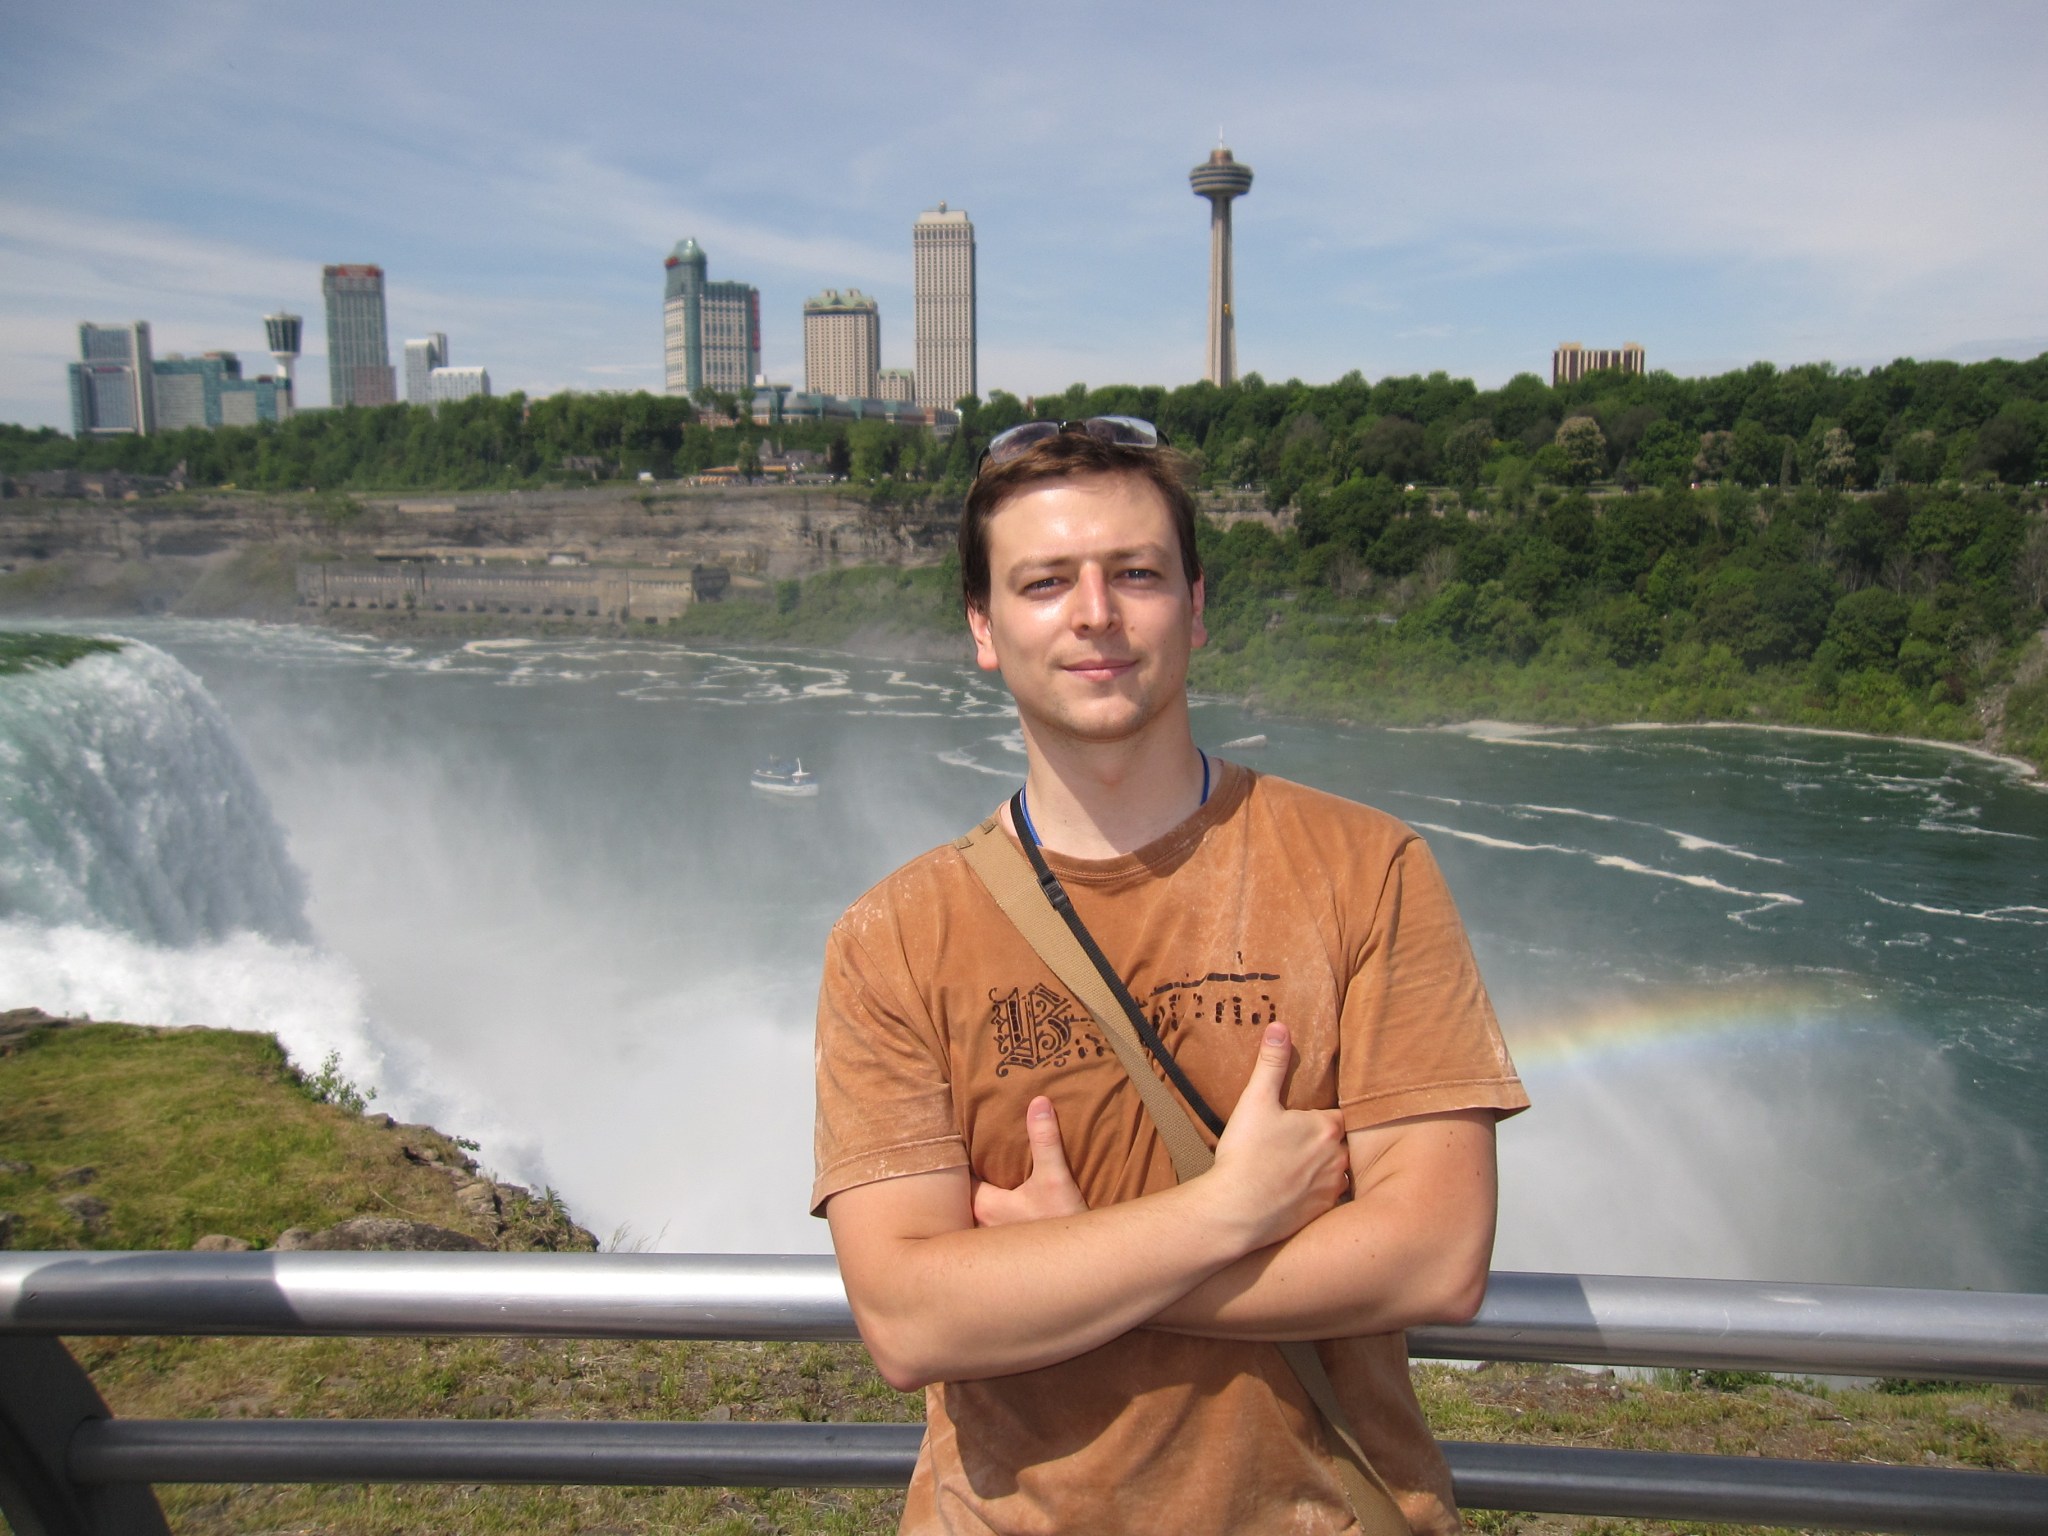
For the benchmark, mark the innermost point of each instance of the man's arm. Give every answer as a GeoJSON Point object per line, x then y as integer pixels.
{"type": "Point", "coordinates": [938, 1298]}
{"type": "Point", "coordinates": [1411, 1246]}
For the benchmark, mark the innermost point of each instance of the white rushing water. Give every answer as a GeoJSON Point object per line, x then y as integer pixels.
{"type": "Point", "coordinates": [142, 874]}
{"type": "Point", "coordinates": [1775, 996]}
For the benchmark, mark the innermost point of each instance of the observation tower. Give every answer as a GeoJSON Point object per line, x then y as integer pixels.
{"type": "Point", "coordinates": [282, 331]}
{"type": "Point", "coordinates": [1219, 179]}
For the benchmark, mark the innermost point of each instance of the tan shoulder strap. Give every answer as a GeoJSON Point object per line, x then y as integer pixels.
{"type": "Point", "coordinates": [1003, 868]}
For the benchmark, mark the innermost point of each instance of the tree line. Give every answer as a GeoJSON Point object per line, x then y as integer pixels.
{"type": "Point", "coordinates": [1909, 423]}
{"type": "Point", "coordinates": [1863, 548]}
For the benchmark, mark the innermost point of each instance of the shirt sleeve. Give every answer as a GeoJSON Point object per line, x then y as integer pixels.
{"type": "Point", "coordinates": [1418, 1031]}
{"type": "Point", "coordinates": [885, 1103]}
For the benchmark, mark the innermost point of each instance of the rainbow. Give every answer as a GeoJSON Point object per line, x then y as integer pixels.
{"type": "Point", "coordinates": [1671, 1021]}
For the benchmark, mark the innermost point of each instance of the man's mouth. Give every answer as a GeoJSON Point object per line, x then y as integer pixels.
{"type": "Point", "coordinates": [1101, 667]}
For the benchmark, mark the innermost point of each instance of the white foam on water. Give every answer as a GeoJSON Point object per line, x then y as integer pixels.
{"type": "Point", "coordinates": [1768, 899]}
{"type": "Point", "coordinates": [2030, 915]}
{"type": "Point", "coordinates": [1962, 830]}
{"type": "Point", "coordinates": [960, 757]}
{"type": "Point", "coordinates": [1686, 840]}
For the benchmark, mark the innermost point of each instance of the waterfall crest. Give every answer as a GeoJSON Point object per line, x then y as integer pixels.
{"type": "Point", "coordinates": [126, 806]}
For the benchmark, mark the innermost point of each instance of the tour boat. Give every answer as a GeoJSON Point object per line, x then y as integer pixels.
{"type": "Point", "coordinates": [785, 776]}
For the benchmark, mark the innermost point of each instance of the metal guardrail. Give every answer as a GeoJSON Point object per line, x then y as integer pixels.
{"type": "Point", "coordinates": [69, 1469]}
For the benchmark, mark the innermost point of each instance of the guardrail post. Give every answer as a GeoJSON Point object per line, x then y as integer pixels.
{"type": "Point", "coordinates": [44, 1397]}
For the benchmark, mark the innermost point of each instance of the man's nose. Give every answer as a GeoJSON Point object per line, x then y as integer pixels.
{"type": "Point", "coordinates": [1093, 608]}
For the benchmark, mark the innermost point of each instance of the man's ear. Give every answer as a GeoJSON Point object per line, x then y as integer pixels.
{"type": "Point", "coordinates": [984, 639]}
{"type": "Point", "coordinates": [1200, 631]}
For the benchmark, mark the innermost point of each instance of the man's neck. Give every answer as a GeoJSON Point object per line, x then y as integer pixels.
{"type": "Point", "coordinates": [1096, 800]}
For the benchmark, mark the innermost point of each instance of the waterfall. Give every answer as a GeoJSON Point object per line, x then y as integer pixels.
{"type": "Point", "coordinates": [143, 875]}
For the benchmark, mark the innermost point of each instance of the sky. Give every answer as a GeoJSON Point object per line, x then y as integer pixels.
{"type": "Point", "coordinates": [1456, 187]}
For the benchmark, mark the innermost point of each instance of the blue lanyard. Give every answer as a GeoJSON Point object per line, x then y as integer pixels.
{"type": "Point", "coordinates": [1025, 804]}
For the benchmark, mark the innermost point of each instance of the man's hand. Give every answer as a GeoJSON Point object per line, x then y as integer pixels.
{"type": "Point", "coordinates": [1282, 1167]}
{"type": "Point", "coordinates": [1050, 1191]}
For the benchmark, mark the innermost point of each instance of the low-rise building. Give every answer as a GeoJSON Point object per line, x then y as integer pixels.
{"type": "Point", "coordinates": [209, 391]}
{"type": "Point", "coordinates": [445, 384]}
{"type": "Point", "coordinates": [1572, 362]}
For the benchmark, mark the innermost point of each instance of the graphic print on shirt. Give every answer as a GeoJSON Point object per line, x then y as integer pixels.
{"type": "Point", "coordinates": [1233, 998]}
{"type": "Point", "coordinates": [1039, 1028]}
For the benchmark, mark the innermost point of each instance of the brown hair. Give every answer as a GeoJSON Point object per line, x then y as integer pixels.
{"type": "Point", "coordinates": [1070, 456]}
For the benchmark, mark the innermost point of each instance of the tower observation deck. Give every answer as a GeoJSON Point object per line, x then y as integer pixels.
{"type": "Point", "coordinates": [1220, 178]}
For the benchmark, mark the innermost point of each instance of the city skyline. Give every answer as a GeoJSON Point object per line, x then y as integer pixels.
{"type": "Point", "coordinates": [1835, 182]}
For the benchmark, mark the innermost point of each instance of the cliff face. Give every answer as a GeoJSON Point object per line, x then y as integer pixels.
{"type": "Point", "coordinates": [231, 554]}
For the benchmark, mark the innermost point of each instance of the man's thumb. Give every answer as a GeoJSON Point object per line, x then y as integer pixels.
{"type": "Point", "coordinates": [1269, 1073]}
{"type": "Point", "coordinates": [1042, 1126]}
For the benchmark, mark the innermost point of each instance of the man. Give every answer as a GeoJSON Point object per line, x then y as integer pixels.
{"type": "Point", "coordinates": [1095, 1338]}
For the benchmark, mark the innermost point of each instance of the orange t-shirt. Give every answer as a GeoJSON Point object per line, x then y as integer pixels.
{"type": "Point", "coordinates": [938, 1024]}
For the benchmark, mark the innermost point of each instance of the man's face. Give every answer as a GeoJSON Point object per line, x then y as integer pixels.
{"type": "Point", "coordinates": [1090, 619]}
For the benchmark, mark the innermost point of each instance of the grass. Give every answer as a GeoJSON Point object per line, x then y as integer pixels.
{"type": "Point", "coordinates": [25, 650]}
{"type": "Point", "coordinates": [196, 1131]}
{"type": "Point", "coordinates": [191, 1132]}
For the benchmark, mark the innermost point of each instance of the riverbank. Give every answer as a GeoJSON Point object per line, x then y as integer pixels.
{"type": "Point", "coordinates": [1347, 667]}
{"type": "Point", "coordinates": [1336, 659]}
{"type": "Point", "coordinates": [184, 1137]}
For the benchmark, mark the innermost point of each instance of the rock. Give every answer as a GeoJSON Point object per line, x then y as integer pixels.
{"type": "Point", "coordinates": [89, 1212]}
{"type": "Point", "coordinates": [479, 1197]}
{"type": "Point", "coordinates": [17, 1024]}
{"type": "Point", "coordinates": [381, 1121]}
{"type": "Point", "coordinates": [8, 1222]}
{"type": "Point", "coordinates": [721, 1414]}
{"type": "Point", "coordinates": [387, 1234]}
{"type": "Point", "coordinates": [9, 1168]}
{"type": "Point", "coordinates": [293, 1240]}
{"type": "Point", "coordinates": [220, 1242]}
{"type": "Point", "coordinates": [75, 1178]}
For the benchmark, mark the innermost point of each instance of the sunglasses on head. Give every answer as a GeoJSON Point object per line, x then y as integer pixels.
{"type": "Point", "coordinates": [1014, 442]}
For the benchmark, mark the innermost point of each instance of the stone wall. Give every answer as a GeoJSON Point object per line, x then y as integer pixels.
{"type": "Point", "coordinates": [624, 595]}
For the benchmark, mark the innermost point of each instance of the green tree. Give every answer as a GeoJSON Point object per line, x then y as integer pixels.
{"type": "Point", "coordinates": [1465, 452]}
{"type": "Point", "coordinates": [1866, 628]}
{"type": "Point", "coordinates": [2009, 445]}
{"type": "Point", "coordinates": [1710, 462]}
{"type": "Point", "coordinates": [1665, 453]}
{"type": "Point", "coordinates": [1584, 449]}
{"type": "Point", "coordinates": [1830, 457]}
{"type": "Point", "coordinates": [1918, 457]}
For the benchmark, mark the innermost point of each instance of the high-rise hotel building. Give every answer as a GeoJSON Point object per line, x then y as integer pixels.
{"type": "Point", "coordinates": [843, 345]}
{"type": "Point", "coordinates": [358, 357]}
{"type": "Point", "coordinates": [710, 332]}
{"type": "Point", "coordinates": [942, 245]}
{"type": "Point", "coordinates": [113, 385]}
